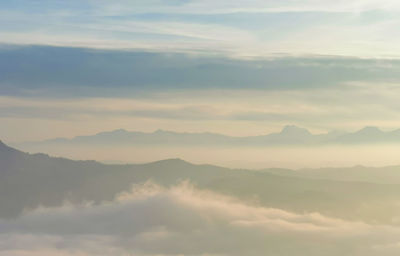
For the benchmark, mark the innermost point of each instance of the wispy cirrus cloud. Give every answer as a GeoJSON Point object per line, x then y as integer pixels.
{"type": "Point", "coordinates": [241, 29]}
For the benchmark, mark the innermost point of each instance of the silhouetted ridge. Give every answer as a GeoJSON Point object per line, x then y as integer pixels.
{"type": "Point", "coordinates": [293, 130]}
{"type": "Point", "coordinates": [116, 132]}
{"type": "Point", "coordinates": [6, 148]}
{"type": "Point", "coordinates": [36, 180]}
{"type": "Point", "coordinates": [172, 162]}
{"type": "Point", "coordinates": [289, 135]}
{"type": "Point", "coordinates": [369, 130]}
{"type": "Point", "coordinates": [2, 145]}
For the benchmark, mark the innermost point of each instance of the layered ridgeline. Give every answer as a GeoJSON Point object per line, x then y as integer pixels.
{"type": "Point", "coordinates": [28, 181]}
{"type": "Point", "coordinates": [289, 135]}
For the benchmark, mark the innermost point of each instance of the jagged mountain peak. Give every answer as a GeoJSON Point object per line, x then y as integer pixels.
{"type": "Point", "coordinates": [370, 129]}
{"type": "Point", "coordinates": [116, 131]}
{"type": "Point", "coordinates": [161, 131]}
{"type": "Point", "coordinates": [294, 130]}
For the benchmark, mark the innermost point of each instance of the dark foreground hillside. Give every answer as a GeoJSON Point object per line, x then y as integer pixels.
{"type": "Point", "coordinates": [28, 181]}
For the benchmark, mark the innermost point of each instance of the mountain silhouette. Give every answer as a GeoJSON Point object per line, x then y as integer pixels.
{"type": "Point", "coordinates": [370, 134]}
{"type": "Point", "coordinates": [289, 135]}
{"type": "Point", "coordinates": [28, 181]}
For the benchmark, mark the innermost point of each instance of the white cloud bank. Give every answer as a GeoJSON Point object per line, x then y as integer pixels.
{"type": "Point", "coordinates": [182, 220]}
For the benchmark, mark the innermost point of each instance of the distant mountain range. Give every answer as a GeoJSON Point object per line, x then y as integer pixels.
{"type": "Point", "coordinates": [28, 181]}
{"type": "Point", "coordinates": [289, 135]}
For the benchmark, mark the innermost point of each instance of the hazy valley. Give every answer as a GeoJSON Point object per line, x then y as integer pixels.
{"type": "Point", "coordinates": [275, 203]}
{"type": "Point", "coordinates": [293, 147]}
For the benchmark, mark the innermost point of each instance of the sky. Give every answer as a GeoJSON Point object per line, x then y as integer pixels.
{"type": "Point", "coordinates": [71, 68]}
{"type": "Point", "coordinates": [238, 28]}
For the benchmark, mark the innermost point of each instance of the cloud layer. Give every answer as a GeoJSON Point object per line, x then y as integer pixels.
{"type": "Point", "coordinates": [106, 90]}
{"type": "Point", "coordinates": [59, 71]}
{"type": "Point", "coordinates": [240, 28]}
{"type": "Point", "coordinates": [182, 220]}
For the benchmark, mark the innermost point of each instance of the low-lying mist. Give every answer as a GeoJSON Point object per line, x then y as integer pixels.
{"type": "Point", "coordinates": [56, 206]}
{"type": "Point", "coordinates": [293, 157]}
{"type": "Point", "coordinates": [182, 220]}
